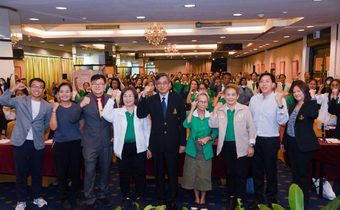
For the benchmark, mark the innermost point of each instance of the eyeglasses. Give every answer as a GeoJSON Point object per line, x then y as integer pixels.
{"type": "Point", "coordinates": [128, 96]}
{"type": "Point", "coordinates": [162, 83]}
{"type": "Point", "coordinates": [97, 85]}
{"type": "Point", "coordinates": [37, 87]}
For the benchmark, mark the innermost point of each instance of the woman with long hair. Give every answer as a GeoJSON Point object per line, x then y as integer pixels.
{"type": "Point", "coordinates": [299, 138]}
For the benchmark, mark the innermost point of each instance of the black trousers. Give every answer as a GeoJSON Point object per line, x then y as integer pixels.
{"type": "Point", "coordinates": [28, 159]}
{"type": "Point", "coordinates": [236, 170]}
{"type": "Point", "coordinates": [168, 161]}
{"type": "Point", "coordinates": [67, 157]}
{"type": "Point", "coordinates": [265, 165]}
{"type": "Point", "coordinates": [300, 163]}
{"type": "Point", "coordinates": [132, 165]}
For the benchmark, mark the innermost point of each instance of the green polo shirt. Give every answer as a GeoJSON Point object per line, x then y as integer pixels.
{"type": "Point", "coordinates": [230, 133]}
{"type": "Point", "coordinates": [130, 136]}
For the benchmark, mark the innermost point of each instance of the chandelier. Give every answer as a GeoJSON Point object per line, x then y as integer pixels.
{"type": "Point", "coordinates": [170, 48]}
{"type": "Point", "coordinates": [14, 40]}
{"type": "Point", "coordinates": [155, 34]}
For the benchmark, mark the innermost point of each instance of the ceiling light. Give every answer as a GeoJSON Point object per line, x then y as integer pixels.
{"type": "Point", "coordinates": [61, 45]}
{"type": "Point", "coordinates": [140, 17]}
{"type": "Point", "coordinates": [189, 5]}
{"type": "Point", "coordinates": [222, 37]}
{"type": "Point", "coordinates": [286, 37]}
{"type": "Point", "coordinates": [42, 41]}
{"type": "Point", "coordinates": [310, 26]}
{"type": "Point", "coordinates": [34, 19]}
{"type": "Point", "coordinates": [194, 40]}
{"type": "Point", "coordinates": [249, 29]}
{"type": "Point", "coordinates": [275, 41]}
{"type": "Point", "coordinates": [61, 8]}
{"type": "Point", "coordinates": [317, 0]}
{"type": "Point", "coordinates": [249, 44]}
{"type": "Point", "coordinates": [285, 12]}
{"type": "Point", "coordinates": [116, 44]}
{"type": "Point", "coordinates": [219, 42]}
{"type": "Point", "coordinates": [134, 42]}
{"type": "Point", "coordinates": [301, 29]}
{"type": "Point", "coordinates": [84, 18]}
{"type": "Point", "coordinates": [237, 14]}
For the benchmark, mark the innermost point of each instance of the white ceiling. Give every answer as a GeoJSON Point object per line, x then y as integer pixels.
{"type": "Point", "coordinates": [319, 14]}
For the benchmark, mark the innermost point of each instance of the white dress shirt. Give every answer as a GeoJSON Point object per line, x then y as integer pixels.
{"type": "Point", "coordinates": [267, 115]}
{"type": "Point", "coordinates": [35, 112]}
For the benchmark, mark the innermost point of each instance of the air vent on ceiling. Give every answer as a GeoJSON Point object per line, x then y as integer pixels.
{"type": "Point", "coordinates": [212, 24]}
{"type": "Point", "coordinates": [102, 27]}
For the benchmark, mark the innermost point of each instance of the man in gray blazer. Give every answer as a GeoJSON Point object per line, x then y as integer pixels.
{"type": "Point", "coordinates": [33, 117]}
{"type": "Point", "coordinates": [96, 142]}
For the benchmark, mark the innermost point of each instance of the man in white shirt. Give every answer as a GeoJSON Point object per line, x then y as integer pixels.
{"type": "Point", "coordinates": [269, 111]}
{"type": "Point", "coordinates": [253, 83]}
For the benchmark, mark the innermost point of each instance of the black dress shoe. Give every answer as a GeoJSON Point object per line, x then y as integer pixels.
{"type": "Point", "coordinates": [105, 202]}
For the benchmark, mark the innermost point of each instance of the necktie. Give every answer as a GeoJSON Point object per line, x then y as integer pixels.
{"type": "Point", "coordinates": [254, 85]}
{"type": "Point", "coordinates": [100, 106]}
{"type": "Point", "coordinates": [283, 87]}
{"type": "Point", "coordinates": [163, 106]}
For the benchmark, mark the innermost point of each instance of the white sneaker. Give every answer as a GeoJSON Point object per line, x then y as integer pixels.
{"type": "Point", "coordinates": [20, 206]}
{"type": "Point", "coordinates": [40, 202]}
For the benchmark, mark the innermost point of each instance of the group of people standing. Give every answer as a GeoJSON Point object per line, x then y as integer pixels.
{"type": "Point", "coordinates": [137, 125]}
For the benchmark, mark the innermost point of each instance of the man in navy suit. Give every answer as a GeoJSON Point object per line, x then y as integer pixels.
{"type": "Point", "coordinates": [167, 137]}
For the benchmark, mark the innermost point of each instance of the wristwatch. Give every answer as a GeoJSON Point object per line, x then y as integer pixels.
{"type": "Point", "coordinates": [252, 145]}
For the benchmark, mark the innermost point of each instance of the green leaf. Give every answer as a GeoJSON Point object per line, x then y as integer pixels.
{"type": "Point", "coordinates": [149, 207]}
{"type": "Point", "coordinates": [239, 205]}
{"type": "Point", "coordinates": [263, 207]}
{"type": "Point", "coordinates": [333, 205]}
{"type": "Point", "coordinates": [277, 207]}
{"type": "Point", "coordinates": [185, 208]}
{"type": "Point", "coordinates": [295, 197]}
{"type": "Point", "coordinates": [162, 207]}
{"type": "Point", "coordinates": [118, 208]}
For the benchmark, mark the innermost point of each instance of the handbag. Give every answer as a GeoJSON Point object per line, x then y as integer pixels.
{"type": "Point", "coordinates": [327, 191]}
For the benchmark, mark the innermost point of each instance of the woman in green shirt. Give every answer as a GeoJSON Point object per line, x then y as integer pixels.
{"type": "Point", "coordinates": [199, 151]}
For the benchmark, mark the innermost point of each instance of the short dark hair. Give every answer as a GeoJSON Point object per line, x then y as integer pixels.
{"type": "Point", "coordinates": [282, 75]}
{"type": "Point", "coordinates": [96, 77]}
{"type": "Point", "coordinates": [242, 78]}
{"type": "Point", "coordinates": [65, 84]}
{"type": "Point", "coordinates": [37, 80]}
{"type": "Point", "coordinates": [162, 75]}
{"type": "Point", "coordinates": [227, 73]}
{"type": "Point", "coordinates": [303, 87]}
{"type": "Point", "coordinates": [205, 85]}
{"type": "Point", "coordinates": [272, 77]}
{"type": "Point", "coordinates": [135, 94]}
{"type": "Point", "coordinates": [254, 73]}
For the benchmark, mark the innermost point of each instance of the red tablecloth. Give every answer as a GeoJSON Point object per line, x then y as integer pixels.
{"type": "Point", "coordinates": [329, 156]}
{"type": "Point", "coordinates": [7, 160]}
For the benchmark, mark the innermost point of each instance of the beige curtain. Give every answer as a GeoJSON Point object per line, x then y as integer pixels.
{"type": "Point", "coordinates": [50, 69]}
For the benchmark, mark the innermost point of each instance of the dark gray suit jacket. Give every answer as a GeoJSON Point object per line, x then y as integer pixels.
{"type": "Point", "coordinates": [24, 120]}
{"type": "Point", "coordinates": [97, 132]}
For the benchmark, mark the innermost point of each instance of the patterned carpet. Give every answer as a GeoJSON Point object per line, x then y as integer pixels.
{"type": "Point", "coordinates": [216, 200]}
